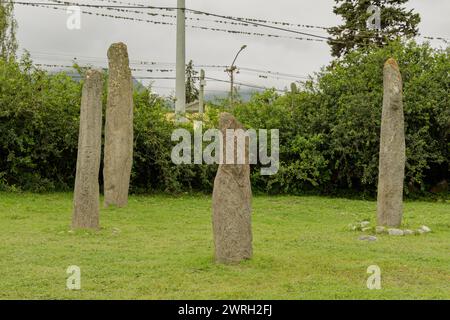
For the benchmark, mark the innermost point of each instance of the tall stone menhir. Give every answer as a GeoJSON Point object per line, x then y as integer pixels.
{"type": "Point", "coordinates": [232, 206]}
{"type": "Point", "coordinates": [86, 195]}
{"type": "Point", "coordinates": [118, 128]}
{"type": "Point", "coordinates": [392, 149]}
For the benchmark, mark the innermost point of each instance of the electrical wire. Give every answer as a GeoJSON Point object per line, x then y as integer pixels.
{"type": "Point", "coordinates": [66, 3]}
{"type": "Point", "coordinates": [241, 20]}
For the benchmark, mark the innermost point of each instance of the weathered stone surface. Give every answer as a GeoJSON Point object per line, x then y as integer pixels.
{"type": "Point", "coordinates": [392, 150]}
{"type": "Point", "coordinates": [408, 232]}
{"type": "Point", "coordinates": [231, 205]}
{"type": "Point", "coordinates": [395, 232]}
{"type": "Point", "coordinates": [86, 194]}
{"type": "Point", "coordinates": [118, 157]}
{"type": "Point", "coordinates": [425, 229]}
{"type": "Point", "coordinates": [367, 238]}
{"type": "Point", "coordinates": [365, 224]}
{"type": "Point", "coordinates": [380, 229]}
{"type": "Point", "coordinates": [360, 226]}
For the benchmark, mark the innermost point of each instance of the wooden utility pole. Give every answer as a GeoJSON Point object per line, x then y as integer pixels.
{"type": "Point", "coordinates": [201, 97]}
{"type": "Point", "coordinates": [231, 71]}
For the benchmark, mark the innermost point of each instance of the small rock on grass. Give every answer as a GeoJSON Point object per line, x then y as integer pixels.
{"type": "Point", "coordinates": [367, 238]}
{"type": "Point", "coordinates": [408, 232]}
{"type": "Point", "coordinates": [380, 229]}
{"type": "Point", "coordinates": [395, 232]}
{"type": "Point", "coordinates": [425, 229]}
{"type": "Point", "coordinates": [364, 224]}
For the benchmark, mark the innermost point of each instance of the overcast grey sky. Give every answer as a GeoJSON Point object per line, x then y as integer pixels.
{"type": "Point", "coordinates": [43, 31]}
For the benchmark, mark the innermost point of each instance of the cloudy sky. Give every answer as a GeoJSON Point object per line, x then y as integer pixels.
{"type": "Point", "coordinates": [43, 32]}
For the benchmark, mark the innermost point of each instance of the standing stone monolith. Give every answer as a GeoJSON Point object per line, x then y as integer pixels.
{"type": "Point", "coordinates": [118, 156]}
{"type": "Point", "coordinates": [231, 203]}
{"type": "Point", "coordinates": [86, 194]}
{"type": "Point", "coordinates": [392, 149]}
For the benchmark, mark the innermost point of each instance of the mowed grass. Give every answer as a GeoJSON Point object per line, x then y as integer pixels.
{"type": "Point", "coordinates": [161, 247]}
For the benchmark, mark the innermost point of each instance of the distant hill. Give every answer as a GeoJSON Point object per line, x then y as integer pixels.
{"type": "Point", "coordinates": [244, 95]}
{"type": "Point", "coordinates": [76, 76]}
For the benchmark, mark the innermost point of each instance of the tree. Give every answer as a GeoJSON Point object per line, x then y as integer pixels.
{"type": "Point", "coordinates": [191, 79]}
{"type": "Point", "coordinates": [396, 21]}
{"type": "Point", "coordinates": [8, 26]}
{"type": "Point", "coordinates": [329, 130]}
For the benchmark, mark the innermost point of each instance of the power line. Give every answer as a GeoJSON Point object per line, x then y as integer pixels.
{"type": "Point", "coordinates": [140, 77]}
{"type": "Point", "coordinates": [289, 75]}
{"type": "Point", "coordinates": [242, 20]}
{"type": "Point", "coordinates": [245, 21]}
{"type": "Point", "coordinates": [59, 7]}
{"type": "Point", "coordinates": [88, 59]}
{"type": "Point", "coordinates": [272, 75]}
{"type": "Point", "coordinates": [244, 84]}
{"type": "Point", "coordinates": [103, 68]}
{"type": "Point", "coordinates": [77, 76]}
{"type": "Point", "coordinates": [97, 6]}
{"type": "Point", "coordinates": [284, 23]}
{"type": "Point", "coordinates": [164, 15]}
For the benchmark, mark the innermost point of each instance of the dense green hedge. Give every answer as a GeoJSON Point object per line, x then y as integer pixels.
{"type": "Point", "coordinates": [328, 131]}
{"type": "Point", "coordinates": [38, 127]}
{"type": "Point", "coordinates": [39, 120]}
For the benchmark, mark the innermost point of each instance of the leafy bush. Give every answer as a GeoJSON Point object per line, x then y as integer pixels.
{"type": "Point", "coordinates": [38, 123]}
{"type": "Point", "coordinates": [152, 165]}
{"type": "Point", "coordinates": [356, 84]}
{"type": "Point", "coordinates": [329, 131]}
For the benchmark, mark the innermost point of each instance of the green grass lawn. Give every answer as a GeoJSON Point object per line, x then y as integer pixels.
{"type": "Point", "coordinates": [161, 247]}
